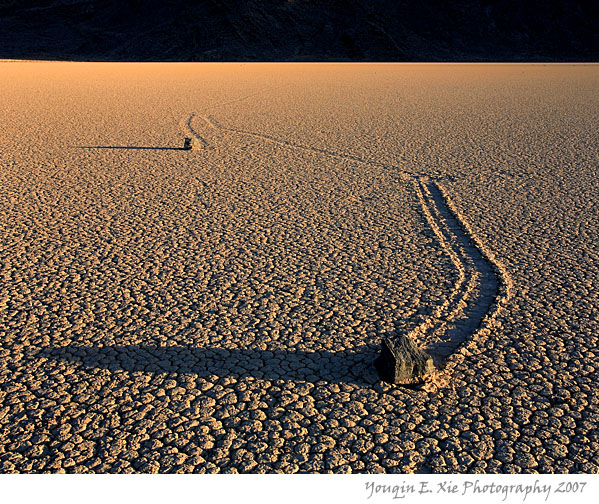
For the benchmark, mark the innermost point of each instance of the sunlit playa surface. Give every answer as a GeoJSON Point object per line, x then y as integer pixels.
{"type": "Point", "coordinates": [219, 309]}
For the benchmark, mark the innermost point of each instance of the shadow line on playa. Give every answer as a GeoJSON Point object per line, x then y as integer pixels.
{"type": "Point", "coordinates": [127, 147]}
{"type": "Point", "coordinates": [352, 366]}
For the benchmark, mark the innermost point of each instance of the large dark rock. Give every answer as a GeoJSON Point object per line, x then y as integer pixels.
{"type": "Point", "coordinates": [402, 362]}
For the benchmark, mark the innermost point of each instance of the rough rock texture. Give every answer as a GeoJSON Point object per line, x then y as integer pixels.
{"type": "Point", "coordinates": [402, 362]}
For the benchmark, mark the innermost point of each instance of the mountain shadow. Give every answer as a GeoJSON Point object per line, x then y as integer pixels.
{"type": "Point", "coordinates": [298, 30]}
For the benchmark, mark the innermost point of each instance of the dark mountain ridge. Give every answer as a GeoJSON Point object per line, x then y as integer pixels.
{"type": "Point", "coordinates": [299, 30]}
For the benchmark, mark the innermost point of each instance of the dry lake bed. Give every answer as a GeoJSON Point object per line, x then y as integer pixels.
{"type": "Point", "coordinates": [219, 309]}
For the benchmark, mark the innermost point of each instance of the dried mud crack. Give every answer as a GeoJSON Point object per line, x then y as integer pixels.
{"type": "Point", "coordinates": [219, 310]}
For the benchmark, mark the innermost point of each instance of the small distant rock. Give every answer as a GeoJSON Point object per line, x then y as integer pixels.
{"type": "Point", "coordinates": [402, 362]}
{"type": "Point", "coordinates": [191, 144]}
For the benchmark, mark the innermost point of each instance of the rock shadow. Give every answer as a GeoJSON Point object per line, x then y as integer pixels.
{"type": "Point", "coordinates": [351, 366]}
{"type": "Point", "coordinates": [128, 147]}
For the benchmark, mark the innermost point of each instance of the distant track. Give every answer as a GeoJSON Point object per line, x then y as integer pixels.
{"type": "Point", "coordinates": [482, 287]}
{"type": "Point", "coordinates": [187, 124]}
{"type": "Point", "coordinates": [210, 121]}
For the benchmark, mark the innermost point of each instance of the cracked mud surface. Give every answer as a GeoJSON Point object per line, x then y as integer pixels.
{"type": "Point", "coordinates": [219, 310]}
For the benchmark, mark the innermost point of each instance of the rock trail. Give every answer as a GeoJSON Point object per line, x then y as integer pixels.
{"type": "Point", "coordinates": [481, 281]}
{"type": "Point", "coordinates": [214, 124]}
{"type": "Point", "coordinates": [478, 285]}
{"type": "Point", "coordinates": [187, 127]}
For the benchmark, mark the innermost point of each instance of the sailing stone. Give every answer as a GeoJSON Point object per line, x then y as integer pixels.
{"type": "Point", "coordinates": [402, 362]}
